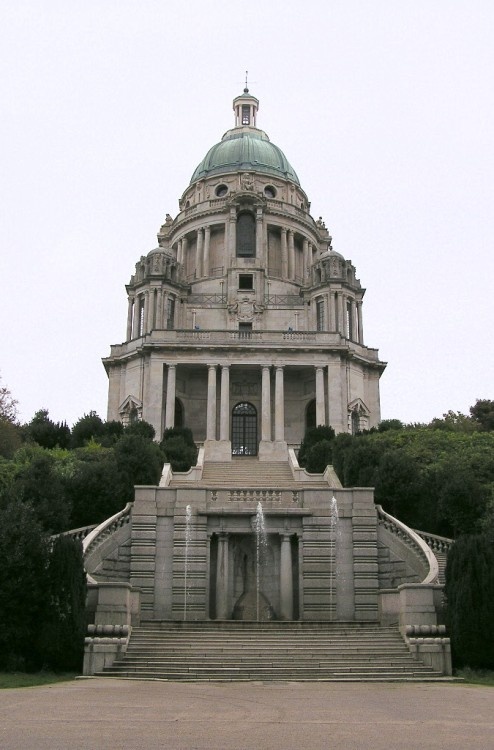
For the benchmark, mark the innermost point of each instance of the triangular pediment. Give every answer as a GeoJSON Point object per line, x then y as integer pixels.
{"type": "Point", "coordinates": [359, 406]}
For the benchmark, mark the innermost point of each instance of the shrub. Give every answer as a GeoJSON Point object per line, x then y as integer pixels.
{"type": "Point", "coordinates": [470, 597]}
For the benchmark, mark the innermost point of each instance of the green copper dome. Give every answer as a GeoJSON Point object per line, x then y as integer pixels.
{"type": "Point", "coordinates": [245, 149]}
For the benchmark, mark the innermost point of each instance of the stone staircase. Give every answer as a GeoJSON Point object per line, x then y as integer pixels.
{"type": "Point", "coordinates": [246, 472]}
{"type": "Point", "coordinates": [267, 651]}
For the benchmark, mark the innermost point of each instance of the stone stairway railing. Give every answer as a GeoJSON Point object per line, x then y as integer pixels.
{"type": "Point", "coordinates": [78, 534]}
{"type": "Point", "coordinates": [437, 543]}
{"type": "Point", "coordinates": [104, 530]}
{"type": "Point", "coordinates": [412, 540]}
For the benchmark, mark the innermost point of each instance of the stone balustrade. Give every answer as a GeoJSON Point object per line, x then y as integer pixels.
{"type": "Point", "coordinates": [413, 541]}
{"type": "Point", "coordinates": [235, 338]}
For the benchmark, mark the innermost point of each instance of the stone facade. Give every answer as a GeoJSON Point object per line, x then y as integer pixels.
{"type": "Point", "coordinates": [244, 301]}
{"type": "Point", "coordinates": [246, 326]}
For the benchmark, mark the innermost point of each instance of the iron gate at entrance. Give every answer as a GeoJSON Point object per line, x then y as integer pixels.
{"type": "Point", "coordinates": [244, 430]}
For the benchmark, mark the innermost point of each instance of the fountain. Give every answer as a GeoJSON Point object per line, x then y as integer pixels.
{"type": "Point", "coordinates": [261, 549]}
{"type": "Point", "coordinates": [188, 525]}
{"type": "Point", "coordinates": [333, 540]}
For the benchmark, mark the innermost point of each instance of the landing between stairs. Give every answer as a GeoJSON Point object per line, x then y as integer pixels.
{"type": "Point", "coordinates": [246, 472]}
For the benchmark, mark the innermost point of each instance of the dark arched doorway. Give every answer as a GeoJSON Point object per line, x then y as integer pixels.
{"type": "Point", "coordinates": [244, 430]}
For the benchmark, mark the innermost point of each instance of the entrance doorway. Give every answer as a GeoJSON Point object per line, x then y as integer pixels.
{"type": "Point", "coordinates": [244, 430]}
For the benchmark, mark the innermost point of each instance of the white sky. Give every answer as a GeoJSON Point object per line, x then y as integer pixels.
{"type": "Point", "coordinates": [383, 107]}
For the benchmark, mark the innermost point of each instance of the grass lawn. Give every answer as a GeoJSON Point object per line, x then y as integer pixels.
{"type": "Point", "coordinates": [24, 679]}
{"type": "Point", "coordinates": [477, 676]}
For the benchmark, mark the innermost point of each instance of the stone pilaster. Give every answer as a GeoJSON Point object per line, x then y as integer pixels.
{"type": "Point", "coordinates": [170, 397]}
{"type": "Point", "coordinates": [222, 578]}
{"type": "Point", "coordinates": [286, 578]}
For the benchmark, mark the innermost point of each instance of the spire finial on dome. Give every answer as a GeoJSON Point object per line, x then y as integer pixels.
{"type": "Point", "coordinates": [246, 89]}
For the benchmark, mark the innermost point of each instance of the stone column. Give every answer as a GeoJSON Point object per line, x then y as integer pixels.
{"type": "Point", "coordinates": [199, 251]}
{"type": "Point", "coordinates": [291, 255]}
{"type": "Point", "coordinates": [320, 401]}
{"type": "Point", "coordinates": [147, 310]}
{"type": "Point", "coordinates": [170, 397]}
{"type": "Point", "coordinates": [211, 408]}
{"type": "Point", "coordinates": [286, 579]}
{"type": "Point", "coordinates": [185, 245]}
{"type": "Point", "coordinates": [130, 311]}
{"type": "Point", "coordinates": [179, 252]}
{"type": "Point", "coordinates": [341, 313]}
{"type": "Point", "coordinates": [360, 324]}
{"type": "Point", "coordinates": [266, 405]}
{"type": "Point", "coordinates": [279, 422]}
{"type": "Point", "coordinates": [222, 578]}
{"type": "Point", "coordinates": [158, 323]}
{"type": "Point", "coordinates": [225, 403]}
{"type": "Point", "coordinates": [137, 316]}
{"type": "Point", "coordinates": [305, 271]}
{"type": "Point", "coordinates": [259, 237]}
{"type": "Point", "coordinates": [232, 236]}
{"type": "Point", "coordinates": [207, 240]}
{"type": "Point", "coordinates": [284, 255]}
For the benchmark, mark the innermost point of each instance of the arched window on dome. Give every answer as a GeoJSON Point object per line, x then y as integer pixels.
{"type": "Point", "coordinates": [246, 235]}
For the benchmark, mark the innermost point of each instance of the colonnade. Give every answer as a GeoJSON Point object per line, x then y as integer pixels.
{"type": "Point", "coordinates": [344, 315]}
{"type": "Point", "coordinates": [201, 255]}
{"type": "Point", "coordinates": [269, 431]}
{"type": "Point", "coordinates": [147, 310]}
{"type": "Point", "coordinates": [223, 608]}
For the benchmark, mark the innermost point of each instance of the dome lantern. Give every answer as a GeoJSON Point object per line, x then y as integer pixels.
{"type": "Point", "coordinates": [245, 107]}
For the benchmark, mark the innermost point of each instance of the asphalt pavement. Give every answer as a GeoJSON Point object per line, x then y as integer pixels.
{"type": "Point", "coordinates": [97, 714]}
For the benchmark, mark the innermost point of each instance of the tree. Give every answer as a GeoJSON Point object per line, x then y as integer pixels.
{"type": "Point", "coordinates": [470, 595]}
{"type": "Point", "coordinates": [95, 490]}
{"type": "Point", "coordinates": [8, 404]}
{"type": "Point", "coordinates": [138, 461]}
{"type": "Point", "coordinates": [36, 483]}
{"type": "Point", "coordinates": [10, 438]}
{"type": "Point", "coordinates": [454, 421]}
{"type": "Point", "coordinates": [23, 560]}
{"type": "Point", "coordinates": [64, 624]}
{"type": "Point", "coordinates": [142, 428]}
{"type": "Point", "coordinates": [483, 414]}
{"type": "Point", "coordinates": [43, 431]}
{"type": "Point", "coordinates": [312, 436]}
{"type": "Point", "coordinates": [179, 449]}
{"type": "Point", "coordinates": [88, 427]}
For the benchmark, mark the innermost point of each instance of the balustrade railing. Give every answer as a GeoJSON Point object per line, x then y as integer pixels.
{"type": "Point", "coordinates": [440, 544]}
{"type": "Point", "coordinates": [283, 300]}
{"type": "Point", "coordinates": [99, 534]}
{"type": "Point", "coordinates": [207, 300]}
{"type": "Point", "coordinates": [413, 541]}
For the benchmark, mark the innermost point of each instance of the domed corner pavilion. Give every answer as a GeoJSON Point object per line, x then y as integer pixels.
{"type": "Point", "coordinates": [246, 326]}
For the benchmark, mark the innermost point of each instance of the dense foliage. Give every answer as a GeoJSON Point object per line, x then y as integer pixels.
{"type": "Point", "coordinates": [437, 477]}
{"type": "Point", "coordinates": [470, 597]}
{"type": "Point", "coordinates": [42, 595]}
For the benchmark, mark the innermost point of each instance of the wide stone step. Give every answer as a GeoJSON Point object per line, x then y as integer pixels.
{"type": "Point", "coordinates": [267, 651]}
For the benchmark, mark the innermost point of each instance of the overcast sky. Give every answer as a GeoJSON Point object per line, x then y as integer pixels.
{"type": "Point", "coordinates": [383, 107]}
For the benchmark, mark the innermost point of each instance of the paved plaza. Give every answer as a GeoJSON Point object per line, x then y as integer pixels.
{"type": "Point", "coordinates": [119, 714]}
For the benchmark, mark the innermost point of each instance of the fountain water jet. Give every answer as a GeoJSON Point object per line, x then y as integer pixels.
{"type": "Point", "coordinates": [188, 525]}
{"type": "Point", "coordinates": [261, 548]}
{"type": "Point", "coordinates": [333, 536]}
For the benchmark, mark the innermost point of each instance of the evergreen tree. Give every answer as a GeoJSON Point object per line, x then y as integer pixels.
{"type": "Point", "coordinates": [179, 449]}
{"type": "Point", "coordinates": [470, 596]}
{"type": "Point", "coordinates": [64, 625]}
{"type": "Point", "coordinates": [23, 587]}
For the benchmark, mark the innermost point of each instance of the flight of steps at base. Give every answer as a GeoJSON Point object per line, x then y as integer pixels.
{"type": "Point", "coordinates": [243, 651]}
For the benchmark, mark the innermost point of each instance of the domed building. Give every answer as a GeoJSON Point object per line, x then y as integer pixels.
{"type": "Point", "coordinates": [245, 326]}
{"type": "Point", "coordinates": [243, 323]}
